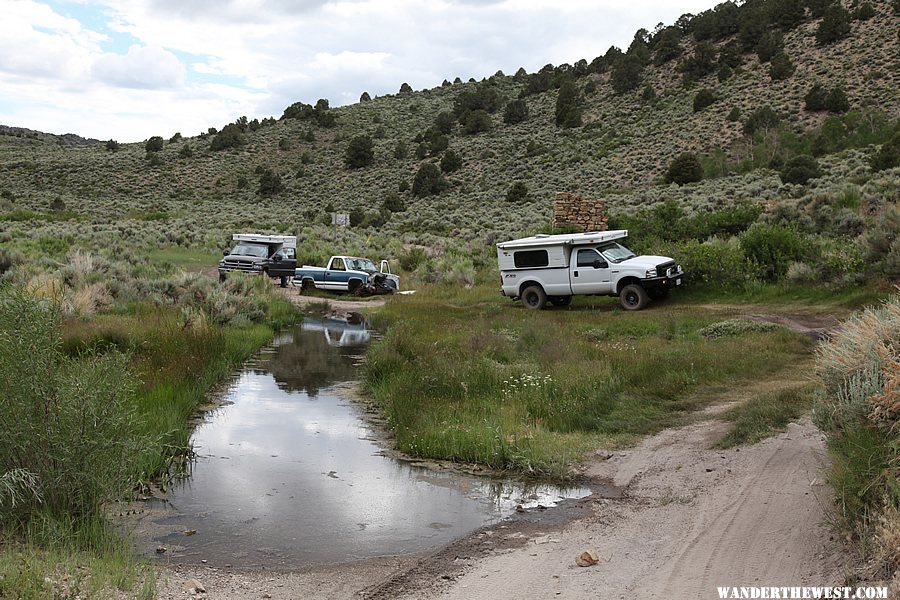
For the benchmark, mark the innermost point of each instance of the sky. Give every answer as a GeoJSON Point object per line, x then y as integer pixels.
{"type": "Point", "coordinates": [131, 69]}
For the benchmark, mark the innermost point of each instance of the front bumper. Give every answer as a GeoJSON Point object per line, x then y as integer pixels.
{"type": "Point", "coordinates": [664, 283]}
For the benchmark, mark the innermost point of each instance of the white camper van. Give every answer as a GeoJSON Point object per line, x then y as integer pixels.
{"type": "Point", "coordinates": [554, 268]}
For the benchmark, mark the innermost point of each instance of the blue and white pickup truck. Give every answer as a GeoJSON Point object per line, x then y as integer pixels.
{"type": "Point", "coordinates": [348, 274]}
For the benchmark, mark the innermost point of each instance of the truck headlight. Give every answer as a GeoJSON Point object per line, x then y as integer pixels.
{"type": "Point", "coordinates": [651, 273]}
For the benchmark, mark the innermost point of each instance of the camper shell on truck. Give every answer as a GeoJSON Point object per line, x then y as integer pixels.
{"type": "Point", "coordinates": [553, 268]}
{"type": "Point", "coordinates": [261, 254]}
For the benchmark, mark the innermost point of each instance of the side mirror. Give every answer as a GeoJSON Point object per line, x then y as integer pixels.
{"type": "Point", "coordinates": [600, 264]}
{"type": "Point", "coordinates": [224, 252]}
{"type": "Point", "coordinates": [277, 258]}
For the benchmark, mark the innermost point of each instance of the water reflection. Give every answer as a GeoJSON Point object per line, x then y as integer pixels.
{"type": "Point", "coordinates": [288, 475]}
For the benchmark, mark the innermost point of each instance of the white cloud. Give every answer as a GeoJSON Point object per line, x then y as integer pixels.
{"type": "Point", "coordinates": [142, 67]}
{"type": "Point", "coordinates": [267, 54]}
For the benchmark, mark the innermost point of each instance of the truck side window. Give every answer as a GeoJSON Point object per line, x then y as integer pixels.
{"type": "Point", "coordinates": [529, 259]}
{"type": "Point", "coordinates": [587, 257]}
{"type": "Point", "coordinates": [338, 264]}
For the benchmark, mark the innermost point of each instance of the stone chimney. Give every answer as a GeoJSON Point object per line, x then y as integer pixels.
{"type": "Point", "coordinates": [574, 211]}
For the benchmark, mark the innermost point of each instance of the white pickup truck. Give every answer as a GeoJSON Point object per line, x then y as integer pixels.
{"type": "Point", "coordinates": [554, 268]}
{"type": "Point", "coordinates": [348, 274]}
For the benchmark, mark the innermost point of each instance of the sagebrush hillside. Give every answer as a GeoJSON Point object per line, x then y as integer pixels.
{"type": "Point", "coordinates": [630, 114]}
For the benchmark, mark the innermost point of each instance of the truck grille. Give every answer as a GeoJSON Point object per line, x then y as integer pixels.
{"type": "Point", "coordinates": [666, 269]}
{"type": "Point", "coordinates": [238, 265]}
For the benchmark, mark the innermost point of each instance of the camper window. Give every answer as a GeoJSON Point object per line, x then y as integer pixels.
{"type": "Point", "coordinates": [529, 259]}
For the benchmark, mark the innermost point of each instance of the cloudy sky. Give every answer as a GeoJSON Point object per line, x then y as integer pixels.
{"type": "Point", "coordinates": [129, 69]}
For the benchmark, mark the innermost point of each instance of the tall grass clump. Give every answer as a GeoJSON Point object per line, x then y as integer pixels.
{"type": "Point", "coordinates": [859, 411]}
{"type": "Point", "coordinates": [69, 434]}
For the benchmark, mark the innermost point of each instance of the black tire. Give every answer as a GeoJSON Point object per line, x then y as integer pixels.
{"type": "Point", "coordinates": [560, 301]}
{"type": "Point", "coordinates": [658, 293]}
{"type": "Point", "coordinates": [353, 285]}
{"type": "Point", "coordinates": [533, 297]}
{"type": "Point", "coordinates": [633, 297]}
{"type": "Point", "coordinates": [305, 286]}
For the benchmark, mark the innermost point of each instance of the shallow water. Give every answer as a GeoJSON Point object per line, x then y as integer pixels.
{"type": "Point", "coordinates": [288, 474]}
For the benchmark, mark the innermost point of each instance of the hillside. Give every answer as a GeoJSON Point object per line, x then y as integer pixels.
{"type": "Point", "coordinates": [87, 194]}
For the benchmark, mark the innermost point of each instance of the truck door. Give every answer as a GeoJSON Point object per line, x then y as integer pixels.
{"type": "Point", "coordinates": [284, 262]}
{"type": "Point", "coordinates": [336, 275]}
{"type": "Point", "coordinates": [589, 273]}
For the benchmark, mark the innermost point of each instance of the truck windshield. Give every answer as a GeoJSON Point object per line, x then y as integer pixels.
{"type": "Point", "coordinates": [615, 253]}
{"type": "Point", "coordinates": [361, 264]}
{"type": "Point", "coordinates": [257, 250]}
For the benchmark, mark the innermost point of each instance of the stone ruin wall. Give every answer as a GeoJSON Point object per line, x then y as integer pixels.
{"type": "Point", "coordinates": [583, 214]}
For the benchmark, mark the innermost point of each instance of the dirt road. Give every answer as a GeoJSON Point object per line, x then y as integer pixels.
{"type": "Point", "coordinates": [693, 519]}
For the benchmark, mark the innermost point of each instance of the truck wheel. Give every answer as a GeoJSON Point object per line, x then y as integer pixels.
{"type": "Point", "coordinates": [305, 286]}
{"type": "Point", "coordinates": [560, 300]}
{"type": "Point", "coordinates": [353, 285]}
{"type": "Point", "coordinates": [533, 297]}
{"type": "Point", "coordinates": [633, 297]}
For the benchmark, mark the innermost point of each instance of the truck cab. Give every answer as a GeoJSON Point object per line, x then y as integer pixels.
{"type": "Point", "coordinates": [553, 268]}
{"type": "Point", "coordinates": [260, 254]}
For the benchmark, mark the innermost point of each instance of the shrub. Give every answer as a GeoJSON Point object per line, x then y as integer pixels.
{"type": "Point", "coordinates": [648, 94]}
{"type": "Point", "coordinates": [154, 144]}
{"type": "Point", "coordinates": [781, 67]}
{"type": "Point", "coordinates": [428, 181]}
{"type": "Point", "coordinates": [704, 98]}
{"type": "Point", "coordinates": [517, 192]}
{"type": "Point", "coordinates": [365, 97]}
{"type": "Point", "coordinates": [58, 204]}
{"type": "Point", "coordinates": [736, 327]}
{"type": "Point", "coordinates": [788, 14]}
{"type": "Point", "coordinates": [835, 25]}
{"type": "Point", "coordinates": [8, 260]}
{"type": "Point", "coordinates": [412, 258]}
{"type": "Point", "coordinates": [568, 109]}
{"type": "Point", "coordinates": [401, 150]}
{"type": "Point", "coordinates": [516, 111]}
{"type": "Point", "coordinates": [773, 248]}
{"type": "Point", "coordinates": [700, 64]}
{"type": "Point", "coordinates": [393, 202]}
{"type": "Point", "coordinates": [403, 186]}
{"type": "Point", "coordinates": [450, 162]}
{"type": "Point", "coordinates": [815, 98]}
{"type": "Point", "coordinates": [270, 183]}
{"type": "Point", "coordinates": [888, 156]}
{"type": "Point", "coordinates": [627, 74]}
{"type": "Point", "coordinates": [67, 422]}
{"type": "Point", "coordinates": [734, 115]}
{"type": "Point", "coordinates": [800, 170]}
{"type": "Point", "coordinates": [360, 152]}
{"type": "Point", "coordinates": [836, 101]}
{"type": "Point", "coordinates": [186, 150]}
{"type": "Point", "coordinates": [865, 11]}
{"type": "Point", "coordinates": [477, 121]}
{"type": "Point", "coordinates": [405, 89]}
{"type": "Point", "coordinates": [112, 145]}
{"type": "Point", "coordinates": [716, 262]}
{"type": "Point", "coordinates": [769, 45]}
{"type": "Point", "coordinates": [444, 122]}
{"type": "Point", "coordinates": [859, 410]}
{"type": "Point", "coordinates": [762, 119]}
{"type": "Point", "coordinates": [231, 136]}
{"type": "Point", "coordinates": [686, 168]}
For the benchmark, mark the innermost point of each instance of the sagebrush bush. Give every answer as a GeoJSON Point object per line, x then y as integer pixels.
{"type": "Point", "coordinates": [67, 422]}
{"type": "Point", "coordinates": [859, 411]}
{"type": "Point", "coordinates": [716, 262]}
{"type": "Point", "coordinates": [734, 327]}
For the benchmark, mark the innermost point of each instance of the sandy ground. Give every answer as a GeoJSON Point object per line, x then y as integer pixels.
{"type": "Point", "coordinates": [691, 518]}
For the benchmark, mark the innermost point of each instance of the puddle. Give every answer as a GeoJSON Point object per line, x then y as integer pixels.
{"type": "Point", "coordinates": [288, 475]}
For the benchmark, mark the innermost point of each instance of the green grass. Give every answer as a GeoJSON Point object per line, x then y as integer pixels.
{"type": "Point", "coordinates": [467, 376]}
{"type": "Point", "coordinates": [177, 366]}
{"type": "Point", "coordinates": [183, 257]}
{"type": "Point", "coordinates": [777, 295]}
{"type": "Point", "coordinates": [62, 559]}
{"type": "Point", "coordinates": [766, 414]}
